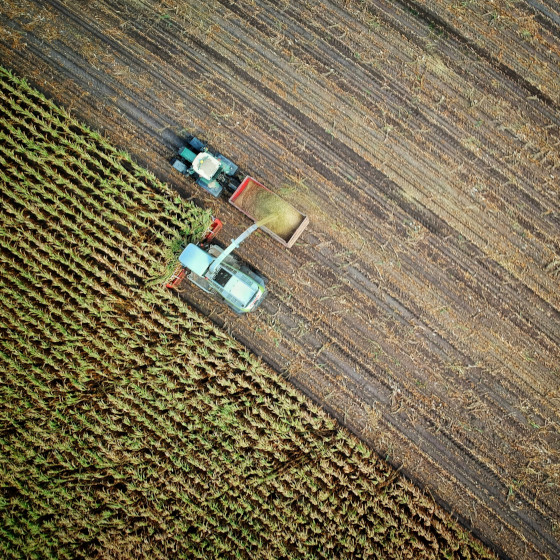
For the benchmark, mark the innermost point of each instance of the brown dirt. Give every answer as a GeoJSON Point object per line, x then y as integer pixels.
{"type": "Point", "coordinates": [421, 306]}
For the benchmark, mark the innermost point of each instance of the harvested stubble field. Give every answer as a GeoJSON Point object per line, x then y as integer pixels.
{"type": "Point", "coordinates": [131, 427]}
{"type": "Point", "coordinates": [421, 306]}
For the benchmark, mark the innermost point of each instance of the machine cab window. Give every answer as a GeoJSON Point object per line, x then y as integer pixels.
{"type": "Point", "coordinates": [223, 277]}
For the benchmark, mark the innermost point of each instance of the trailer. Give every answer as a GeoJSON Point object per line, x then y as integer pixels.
{"type": "Point", "coordinates": [283, 222]}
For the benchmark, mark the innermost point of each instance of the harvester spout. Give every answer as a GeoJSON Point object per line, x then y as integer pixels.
{"type": "Point", "coordinates": [236, 242]}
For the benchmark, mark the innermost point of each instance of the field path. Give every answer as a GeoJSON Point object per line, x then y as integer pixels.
{"type": "Point", "coordinates": [422, 305]}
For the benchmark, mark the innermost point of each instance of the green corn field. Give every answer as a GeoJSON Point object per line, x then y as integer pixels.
{"type": "Point", "coordinates": [130, 426]}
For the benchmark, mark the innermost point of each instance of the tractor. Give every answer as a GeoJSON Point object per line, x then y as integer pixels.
{"type": "Point", "coordinates": [212, 172]}
{"type": "Point", "coordinates": [216, 270]}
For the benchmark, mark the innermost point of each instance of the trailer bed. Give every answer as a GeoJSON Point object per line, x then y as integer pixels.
{"type": "Point", "coordinates": [258, 202]}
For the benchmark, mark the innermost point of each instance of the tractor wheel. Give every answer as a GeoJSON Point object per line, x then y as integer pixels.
{"type": "Point", "coordinates": [196, 144]}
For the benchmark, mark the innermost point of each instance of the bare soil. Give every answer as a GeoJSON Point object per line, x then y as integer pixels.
{"type": "Point", "coordinates": [421, 307]}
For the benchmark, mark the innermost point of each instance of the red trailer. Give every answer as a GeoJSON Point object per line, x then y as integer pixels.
{"type": "Point", "coordinates": [283, 222]}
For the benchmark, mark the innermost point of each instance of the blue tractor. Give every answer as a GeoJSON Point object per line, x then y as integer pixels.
{"type": "Point", "coordinates": [213, 172]}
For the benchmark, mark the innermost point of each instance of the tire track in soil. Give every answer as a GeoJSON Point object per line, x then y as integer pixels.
{"type": "Point", "coordinates": [494, 26]}
{"type": "Point", "coordinates": [363, 380]}
{"type": "Point", "coordinates": [432, 19]}
{"type": "Point", "coordinates": [546, 9]}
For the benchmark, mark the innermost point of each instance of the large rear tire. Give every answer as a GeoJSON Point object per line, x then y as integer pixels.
{"type": "Point", "coordinates": [196, 144]}
{"type": "Point", "coordinates": [179, 165]}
